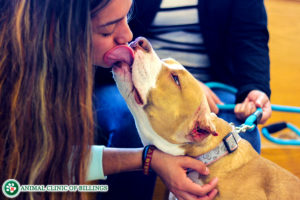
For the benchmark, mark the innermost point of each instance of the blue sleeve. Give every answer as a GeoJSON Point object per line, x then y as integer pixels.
{"type": "Point", "coordinates": [95, 168]}
{"type": "Point", "coordinates": [248, 46]}
{"type": "Point", "coordinates": [236, 38]}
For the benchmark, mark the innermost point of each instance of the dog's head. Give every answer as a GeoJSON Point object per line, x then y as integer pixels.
{"type": "Point", "coordinates": [167, 102]}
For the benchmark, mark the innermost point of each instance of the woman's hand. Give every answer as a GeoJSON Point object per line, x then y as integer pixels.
{"type": "Point", "coordinates": [212, 98]}
{"type": "Point", "coordinates": [172, 171]}
{"type": "Point", "coordinates": [254, 100]}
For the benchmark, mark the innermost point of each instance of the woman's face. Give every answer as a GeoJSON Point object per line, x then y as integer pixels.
{"type": "Point", "coordinates": [110, 28]}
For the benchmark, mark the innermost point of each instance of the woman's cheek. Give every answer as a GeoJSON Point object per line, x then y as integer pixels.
{"type": "Point", "coordinates": [100, 47]}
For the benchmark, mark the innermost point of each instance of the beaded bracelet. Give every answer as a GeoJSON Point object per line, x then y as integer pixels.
{"type": "Point", "coordinates": [147, 157]}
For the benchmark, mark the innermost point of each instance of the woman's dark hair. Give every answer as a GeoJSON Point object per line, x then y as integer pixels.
{"type": "Point", "coordinates": [46, 80]}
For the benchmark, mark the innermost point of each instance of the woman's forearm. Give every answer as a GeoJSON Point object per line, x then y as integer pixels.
{"type": "Point", "coordinates": [117, 160]}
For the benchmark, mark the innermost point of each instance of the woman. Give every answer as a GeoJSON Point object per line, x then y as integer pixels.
{"type": "Point", "coordinates": [46, 78]}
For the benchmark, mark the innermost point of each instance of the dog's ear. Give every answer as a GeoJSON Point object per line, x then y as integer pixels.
{"type": "Point", "coordinates": [222, 126]}
{"type": "Point", "coordinates": [203, 127]}
{"type": "Point", "coordinates": [208, 123]}
{"type": "Point", "coordinates": [171, 61]}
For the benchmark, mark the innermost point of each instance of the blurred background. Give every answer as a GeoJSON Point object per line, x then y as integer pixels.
{"type": "Point", "coordinates": [284, 29]}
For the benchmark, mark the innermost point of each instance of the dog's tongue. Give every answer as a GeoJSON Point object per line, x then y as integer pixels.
{"type": "Point", "coordinates": [120, 53]}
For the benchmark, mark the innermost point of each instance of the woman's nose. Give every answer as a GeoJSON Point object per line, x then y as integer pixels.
{"type": "Point", "coordinates": [124, 34]}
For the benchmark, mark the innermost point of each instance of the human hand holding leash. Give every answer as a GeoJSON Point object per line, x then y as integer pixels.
{"type": "Point", "coordinates": [255, 99]}
{"type": "Point", "coordinates": [172, 170]}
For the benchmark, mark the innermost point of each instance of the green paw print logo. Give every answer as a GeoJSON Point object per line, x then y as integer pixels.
{"type": "Point", "coordinates": [11, 188]}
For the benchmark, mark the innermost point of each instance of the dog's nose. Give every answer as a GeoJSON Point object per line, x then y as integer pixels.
{"type": "Point", "coordinates": [142, 43]}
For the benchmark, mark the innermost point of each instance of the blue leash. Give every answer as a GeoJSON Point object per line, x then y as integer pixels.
{"type": "Point", "coordinates": [274, 107]}
{"type": "Point", "coordinates": [256, 116]}
{"type": "Point", "coordinates": [273, 128]}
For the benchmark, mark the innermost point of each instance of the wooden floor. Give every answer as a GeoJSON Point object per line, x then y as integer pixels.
{"type": "Point", "coordinates": [284, 28]}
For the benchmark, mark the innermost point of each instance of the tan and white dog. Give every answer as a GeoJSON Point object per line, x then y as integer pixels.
{"type": "Point", "coordinates": [171, 112]}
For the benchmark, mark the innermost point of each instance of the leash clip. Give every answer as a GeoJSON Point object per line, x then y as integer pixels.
{"type": "Point", "coordinates": [230, 141]}
{"type": "Point", "coordinates": [243, 128]}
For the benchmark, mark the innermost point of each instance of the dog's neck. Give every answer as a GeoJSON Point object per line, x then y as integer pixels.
{"type": "Point", "coordinates": [244, 154]}
{"type": "Point", "coordinates": [227, 164]}
{"type": "Point", "coordinates": [227, 146]}
{"type": "Point", "coordinates": [244, 151]}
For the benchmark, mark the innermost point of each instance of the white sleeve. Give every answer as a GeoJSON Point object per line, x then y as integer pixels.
{"type": "Point", "coordinates": [95, 167]}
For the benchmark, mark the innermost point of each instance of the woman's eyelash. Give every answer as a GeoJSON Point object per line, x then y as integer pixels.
{"type": "Point", "coordinates": [106, 34]}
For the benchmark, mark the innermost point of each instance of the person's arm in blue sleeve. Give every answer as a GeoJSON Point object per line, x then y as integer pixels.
{"type": "Point", "coordinates": [249, 48]}
{"type": "Point", "coordinates": [250, 56]}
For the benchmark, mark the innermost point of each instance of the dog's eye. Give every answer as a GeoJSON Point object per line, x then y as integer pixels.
{"type": "Point", "coordinates": [176, 79]}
